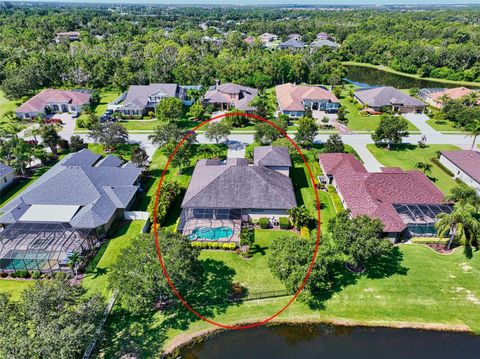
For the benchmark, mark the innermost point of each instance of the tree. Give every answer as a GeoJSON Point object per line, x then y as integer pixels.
{"type": "Point", "coordinates": [197, 111]}
{"type": "Point", "coordinates": [299, 217]}
{"type": "Point", "coordinates": [462, 194]}
{"type": "Point", "coordinates": [16, 152]}
{"type": "Point", "coordinates": [461, 224]}
{"type": "Point", "coordinates": [109, 134]}
{"type": "Point", "coordinates": [306, 131]}
{"type": "Point", "coordinates": [334, 144]}
{"type": "Point", "coordinates": [74, 261]}
{"type": "Point", "coordinates": [52, 319]}
{"type": "Point", "coordinates": [308, 112]}
{"type": "Point", "coordinates": [473, 130]}
{"type": "Point", "coordinates": [139, 157]}
{"type": "Point", "coordinates": [390, 130]}
{"type": "Point", "coordinates": [264, 133]}
{"type": "Point", "coordinates": [77, 143]}
{"type": "Point", "coordinates": [138, 276]}
{"type": "Point", "coordinates": [50, 137]}
{"type": "Point", "coordinates": [425, 167]}
{"type": "Point", "coordinates": [218, 131]}
{"type": "Point", "coordinates": [359, 238]}
{"type": "Point", "coordinates": [169, 109]}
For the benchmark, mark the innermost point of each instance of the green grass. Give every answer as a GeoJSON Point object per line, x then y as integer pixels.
{"type": "Point", "coordinates": [5, 106]}
{"type": "Point", "coordinates": [14, 287]}
{"type": "Point", "coordinates": [124, 151]}
{"type": "Point", "coordinates": [406, 156]}
{"type": "Point", "coordinates": [357, 122]}
{"type": "Point", "coordinates": [97, 271]}
{"type": "Point", "coordinates": [443, 125]}
{"type": "Point", "coordinates": [106, 96]}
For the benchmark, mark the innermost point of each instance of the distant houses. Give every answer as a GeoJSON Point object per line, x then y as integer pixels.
{"type": "Point", "coordinates": [321, 43]}
{"type": "Point", "coordinates": [406, 202]}
{"type": "Point", "coordinates": [229, 95]}
{"type": "Point", "coordinates": [141, 99]}
{"type": "Point", "coordinates": [54, 101]}
{"type": "Point", "coordinates": [267, 37]}
{"type": "Point", "coordinates": [68, 35]}
{"type": "Point", "coordinates": [464, 165]}
{"type": "Point", "coordinates": [291, 44]}
{"type": "Point", "coordinates": [379, 99]}
{"type": "Point", "coordinates": [437, 97]}
{"type": "Point", "coordinates": [293, 99]}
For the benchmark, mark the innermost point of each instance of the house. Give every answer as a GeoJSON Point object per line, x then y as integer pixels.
{"type": "Point", "coordinates": [249, 40]}
{"type": "Point", "coordinates": [378, 99]}
{"type": "Point", "coordinates": [229, 95]}
{"type": "Point", "coordinates": [293, 99]}
{"type": "Point", "coordinates": [296, 37]}
{"type": "Point", "coordinates": [54, 101]}
{"type": "Point", "coordinates": [323, 36]}
{"type": "Point", "coordinates": [406, 202]}
{"type": "Point", "coordinates": [141, 99]}
{"type": "Point", "coordinates": [465, 165]}
{"type": "Point", "coordinates": [267, 37]}
{"type": "Point", "coordinates": [69, 35]}
{"type": "Point", "coordinates": [436, 98]}
{"type": "Point", "coordinates": [65, 211]}
{"type": "Point", "coordinates": [7, 176]}
{"type": "Point", "coordinates": [324, 42]}
{"type": "Point", "coordinates": [291, 44]}
{"type": "Point", "coordinates": [222, 195]}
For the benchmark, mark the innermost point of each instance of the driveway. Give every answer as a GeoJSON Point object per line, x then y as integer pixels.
{"type": "Point", "coordinates": [369, 160]}
{"type": "Point", "coordinates": [236, 149]}
{"type": "Point", "coordinates": [420, 121]}
{"type": "Point", "coordinates": [68, 124]}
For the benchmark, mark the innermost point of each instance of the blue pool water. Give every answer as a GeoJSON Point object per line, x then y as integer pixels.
{"type": "Point", "coordinates": [211, 234]}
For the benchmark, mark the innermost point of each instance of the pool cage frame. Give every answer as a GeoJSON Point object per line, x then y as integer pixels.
{"type": "Point", "coordinates": [192, 218]}
{"type": "Point", "coordinates": [420, 219]}
{"type": "Point", "coordinates": [42, 247]}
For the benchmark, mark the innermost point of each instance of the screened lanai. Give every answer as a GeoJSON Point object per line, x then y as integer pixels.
{"type": "Point", "coordinates": [420, 219]}
{"type": "Point", "coordinates": [44, 247]}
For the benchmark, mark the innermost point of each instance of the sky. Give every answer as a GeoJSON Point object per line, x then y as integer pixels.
{"type": "Point", "coordinates": [273, 2]}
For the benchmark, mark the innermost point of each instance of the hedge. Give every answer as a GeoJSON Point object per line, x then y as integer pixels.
{"type": "Point", "coordinates": [168, 194]}
{"type": "Point", "coordinates": [442, 167]}
{"type": "Point", "coordinates": [429, 240]}
{"type": "Point", "coordinates": [284, 223]}
{"type": "Point", "coordinates": [264, 223]}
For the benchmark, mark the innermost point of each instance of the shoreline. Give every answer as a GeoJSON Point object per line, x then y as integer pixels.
{"type": "Point", "coordinates": [178, 343]}
{"type": "Point", "coordinates": [416, 77]}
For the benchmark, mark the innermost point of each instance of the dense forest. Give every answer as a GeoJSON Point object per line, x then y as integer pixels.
{"type": "Point", "coordinates": [139, 45]}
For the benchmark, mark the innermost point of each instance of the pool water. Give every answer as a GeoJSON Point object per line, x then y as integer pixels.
{"type": "Point", "coordinates": [211, 234]}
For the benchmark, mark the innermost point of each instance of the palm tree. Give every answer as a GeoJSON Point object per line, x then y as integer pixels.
{"type": "Point", "coordinates": [74, 261]}
{"type": "Point", "coordinates": [462, 224]}
{"type": "Point", "coordinates": [424, 167]}
{"type": "Point", "coordinates": [473, 130]}
{"type": "Point", "coordinates": [462, 195]}
{"type": "Point", "coordinates": [470, 99]}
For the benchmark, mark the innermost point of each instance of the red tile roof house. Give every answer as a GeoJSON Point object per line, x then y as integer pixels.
{"type": "Point", "coordinates": [293, 99]}
{"type": "Point", "coordinates": [436, 98]}
{"type": "Point", "coordinates": [407, 202]}
{"type": "Point", "coordinates": [464, 165]}
{"type": "Point", "coordinates": [53, 101]}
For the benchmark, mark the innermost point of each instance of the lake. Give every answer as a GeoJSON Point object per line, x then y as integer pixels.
{"type": "Point", "coordinates": [367, 77]}
{"type": "Point", "coordinates": [319, 341]}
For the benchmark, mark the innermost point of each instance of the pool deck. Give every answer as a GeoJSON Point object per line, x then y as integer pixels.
{"type": "Point", "coordinates": [234, 224]}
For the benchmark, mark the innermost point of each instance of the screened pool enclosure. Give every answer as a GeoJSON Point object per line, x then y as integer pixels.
{"type": "Point", "coordinates": [43, 247]}
{"type": "Point", "coordinates": [420, 219]}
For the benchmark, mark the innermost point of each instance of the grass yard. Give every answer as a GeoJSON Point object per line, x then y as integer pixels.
{"type": "Point", "coordinates": [96, 274]}
{"type": "Point", "coordinates": [357, 122]}
{"type": "Point", "coordinates": [124, 151]}
{"type": "Point", "coordinates": [406, 156]}
{"type": "Point", "coordinates": [443, 125]}
{"type": "Point", "coordinates": [413, 287]}
{"type": "Point", "coordinates": [14, 287]}
{"type": "Point", "coordinates": [106, 96]}
{"type": "Point", "coordinates": [5, 106]}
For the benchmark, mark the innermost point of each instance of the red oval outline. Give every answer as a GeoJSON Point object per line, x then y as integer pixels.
{"type": "Point", "coordinates": [155, 229]}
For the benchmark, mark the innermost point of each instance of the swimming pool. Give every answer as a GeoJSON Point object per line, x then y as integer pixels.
{"type": "Point", "coordinates": [211, 234]}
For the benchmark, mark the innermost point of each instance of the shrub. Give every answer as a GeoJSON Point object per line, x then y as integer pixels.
{"type": "Point", "coordinates": [247, 237]}
{"type": "Point", "coordinates": [440, 164]}
{"type": "Point", "coordinates": [264, 223]}
{"type": "Point", "coordinates": [229, 246]}
{"type": "Point", "coordinates": [304, 232]}
{"type": "Point", "coordinates": [205, 244]}
{"type": "Point", "coordinates": [429, 240]}
{"type": "Point", "coordinates": [196, 244]}
{"type": "Point", "coordinates": [284, 223]}
{"type": "Point", "coordinates": [21, 274]}
{"type": "Point", "coordinates": [168, 194]}
{"type": "Point", "coordinates": [3, 275]}
{"type": "Point", "coordinates": [212, 244]}
{"type": "Point", "coordinates": [36, 275]}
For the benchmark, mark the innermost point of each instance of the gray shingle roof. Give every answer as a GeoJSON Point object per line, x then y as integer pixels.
{"type": "Point", "coordinates": [386, 96]}
{"type": "Point", "coordinates": [109, 161]}
{"type": "Point", "coordinates": [137, 95]}
{"type": "Point", "coordinates": [221, 94]}
{"type": "Point", "coordinates": [5, 170]}
{"type": "Point", "coordinates": [271, 156]}
{"type": "Point", "coordinates": [292, 43]}
{"type": "Point", "coordinates": [99, 191]}
{"type": "Point", "coordinates": [234, 184]}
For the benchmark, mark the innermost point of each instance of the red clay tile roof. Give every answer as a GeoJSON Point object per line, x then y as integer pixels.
{"type": "Point", "coordinates": [38, 102]}
{"type": "Point", "coordinates": [374, 194]}
{"type": "Point", "coordinates": [290, 97]}
{"type": "Point", "coordinates": [467, 161]}
{"type": "Point", "coordinates": [453, 93]}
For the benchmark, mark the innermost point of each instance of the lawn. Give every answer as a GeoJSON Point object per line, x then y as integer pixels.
{"type": "Point", "coordinates": [96, 274]}
{"type": "Point", "coordinates": [106, 96]}
{"type": "Point", "coordinates": [443, 125]}
{"type": "Point", "coordinates": [357, 122]}
{"type": "Point", "coordinates": [14, 287]}
{"type": "Point", "coordinates": [124, 151]}
{"type": "Point", "coordinates": [406, 156]}
{"type": "Point", "coordinates": [5, 106]}
{"type": "Point", "coordinates": [414, 286]}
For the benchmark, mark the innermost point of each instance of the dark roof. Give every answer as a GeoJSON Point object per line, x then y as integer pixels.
{"type": "Point", "coordinates": [98, 190]}
{"type": "Point", "coordinates": [375, 194]}
{"type": "Point", "coordinates": [386, 96]}
{"type": "Point", "coordinates": [137, 95]}
{"type": "Point", "coordinates": [271, 156]}
{"type": "Point", "coordinates": [292, 43]}
{"type": "Point", "coordinates": [222, 94]}
{"type": "Point", "coordinates": [5, 170]}
{"type": "Point", "coordinates": [467, 161]}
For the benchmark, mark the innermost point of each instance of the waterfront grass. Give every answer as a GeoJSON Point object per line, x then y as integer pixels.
{"type": "Point", "coordinates": [413, 76]}
{"type": "Point", "coordinates": [406, 156]}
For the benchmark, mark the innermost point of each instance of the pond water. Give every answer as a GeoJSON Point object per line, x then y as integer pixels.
{"type": "Point", "coordinates": [317, 341]}
{"type": "Point", "coordinates": [367, 77]}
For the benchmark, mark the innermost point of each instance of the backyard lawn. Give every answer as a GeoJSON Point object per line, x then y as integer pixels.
{"type": "Point", "coordinates": [5, 106]}
{"type": "Point", "coordinates": [406, 156]}
{"type": "Point", "coordinates": [15, 287]}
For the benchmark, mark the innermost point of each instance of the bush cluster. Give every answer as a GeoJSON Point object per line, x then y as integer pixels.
{"type": "Point", "coordinates": [284, 223]}
{"type": "Point", "coordinates": [214, 245]}
{"type": "Point", "coordinates": [168, 194]}
{"type": "Point", "coordinates": [264, 223]}
{"type": "Point", "coordinates": [429, 240]}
